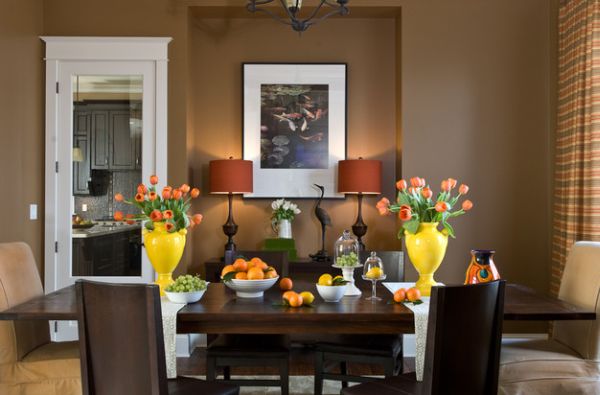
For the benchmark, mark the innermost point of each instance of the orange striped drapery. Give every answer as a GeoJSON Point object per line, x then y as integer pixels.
{"type": "Point", "coordinates": [577, 171]}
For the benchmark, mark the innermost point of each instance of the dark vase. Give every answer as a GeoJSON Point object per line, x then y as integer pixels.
{"type": "Point", "coordinates": [482, 268]}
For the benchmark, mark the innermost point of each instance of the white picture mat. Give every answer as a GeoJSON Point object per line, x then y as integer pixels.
{"type": "Point", "coordinates": [272, 183]}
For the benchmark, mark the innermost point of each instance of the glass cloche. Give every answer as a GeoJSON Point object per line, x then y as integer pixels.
{"type": "Point", "coordinates": [346, 250]}
{"type": "Point", "coordinates": [346, 257]}
{"type": "Point", "coordinates": [373, 271]}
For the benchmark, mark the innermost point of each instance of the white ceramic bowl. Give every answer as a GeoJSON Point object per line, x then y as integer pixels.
{"type": "Point", "coordinates": [186, 297]}
{"type": "Point", "coordinates": [331, 293]}
{"type": "Point", "coordinates": [251, 288]}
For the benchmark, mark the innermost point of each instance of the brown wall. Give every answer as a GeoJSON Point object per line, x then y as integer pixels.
{"type": "Point", "coordinates": [21, 123]}
{"type": "Point", "coordinates": [219, 47]}
{"type": "Point", "coordinates": [477, 105]}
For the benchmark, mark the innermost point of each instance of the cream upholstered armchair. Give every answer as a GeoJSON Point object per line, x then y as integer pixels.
{"type": "Point", "coordinates": [30, 364]}
{"type": "Point", "coordinates": [569, 362]}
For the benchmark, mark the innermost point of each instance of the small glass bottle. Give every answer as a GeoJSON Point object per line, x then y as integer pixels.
{"type": "Point", "coordinates": [346, 250]}
{"type": "Point", "coordinates": [373, 271]}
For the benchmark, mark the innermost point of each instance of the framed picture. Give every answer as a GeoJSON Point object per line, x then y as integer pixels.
{"type": "Point", "coordinates": [294, 127]}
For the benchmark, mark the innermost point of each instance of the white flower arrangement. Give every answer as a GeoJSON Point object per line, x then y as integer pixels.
{"type": "Point", "coordinates": [283, 209]}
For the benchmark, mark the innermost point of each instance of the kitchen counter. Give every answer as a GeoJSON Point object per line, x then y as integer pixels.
{"type": "Point", "coordinates": [103, 230]}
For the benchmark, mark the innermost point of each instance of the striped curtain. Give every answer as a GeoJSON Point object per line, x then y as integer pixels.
{"type": "Point", "coordinates": [577, 171]}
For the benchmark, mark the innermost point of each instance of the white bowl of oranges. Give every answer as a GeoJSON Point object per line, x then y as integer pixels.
{"type": "Point", "coordinates": [332, 289]}
{"type": "Point", "coordinates": [249, 279]}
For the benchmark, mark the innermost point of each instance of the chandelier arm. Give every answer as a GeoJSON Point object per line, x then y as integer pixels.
{"type": "Point", "coordinates": [274, 16]}
{"type": "Point", "coordinates": [261, 2]}
{"type": "Point", "coordinates": [288, 11]}
{"type": "Point", "coordinates": [316, 11]}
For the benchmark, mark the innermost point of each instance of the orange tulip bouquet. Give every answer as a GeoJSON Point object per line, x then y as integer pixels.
{"type": "Point", "coordinates": [421, 214]}
{"type": "Point", "coordinates": [415, 204]}
{"type": "Point", "coordinates": [168, 208]}
{"type": "Point", "coordinates": [166, 221]}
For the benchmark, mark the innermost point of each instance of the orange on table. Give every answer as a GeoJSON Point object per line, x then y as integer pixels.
{"type": "Point", "coordinates": [295, 300]}
{"type": "Point", "coordinates": [255, 274]}
{"type": "Point", "coordinates": [271, 272]}
{"type": "Point", "coordinates": [286, 295]}
{"type": "Point", "coordinates": [286, 284]}
{"type": "Point", "coordinates": [240, 265]}
{"type": "Point", "coordinates": [400, 295]}
{"type": "Point", "coordinates": [227, 269]}
{"type": "Point", "coordinates": [241, 276]}
{"type": "Point", "coordinates": [413, 294]}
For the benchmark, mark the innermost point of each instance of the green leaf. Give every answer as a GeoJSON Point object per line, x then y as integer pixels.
{"type": "Point", "coordinates": [449, 228]}
{"type": "Point", "coordinates": [339, 281]}
{"type": "Point", "coordinates": [411, 226]}
{"type": "Point", "coordinates": [403, 198]}
{"type": "Point", "coordinates": [229, 276]}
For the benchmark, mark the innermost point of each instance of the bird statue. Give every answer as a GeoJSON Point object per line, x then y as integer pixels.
{"type": "Point", "coordinates": [325, 221]}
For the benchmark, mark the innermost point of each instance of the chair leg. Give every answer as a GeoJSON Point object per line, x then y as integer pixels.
{"type": "Point", "coordinates": [389, 368]}
{"type": "Point", "coordinates": [227, 373]}
{"type": "Point", "coordinates": [284, 377]}
{"type": "Point", "coordinates": [400, 364]}
{"type": "Point", "coordinates": [344, 371]}
{"type": "Point", "coordinates": [318, 373]}
{"type": "Point", "coordinates": [211, 369]}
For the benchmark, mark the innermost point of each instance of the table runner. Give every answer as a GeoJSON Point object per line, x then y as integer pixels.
{"type": "Point", "coordinates": [421, 314]}
{"type": "Point", "coordinates": [169, 319]}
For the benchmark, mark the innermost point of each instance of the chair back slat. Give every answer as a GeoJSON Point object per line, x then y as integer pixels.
{"type": "Point", "coordinates": [463, 339]}
{"type": "Point", "coordinates": [121, 339]}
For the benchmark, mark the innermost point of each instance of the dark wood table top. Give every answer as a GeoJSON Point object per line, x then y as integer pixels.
{"type": "Point", "coordinates": [220, 311]}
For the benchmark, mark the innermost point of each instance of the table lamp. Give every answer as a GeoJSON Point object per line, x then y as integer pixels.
{"type": "Point", "coordinates": [230, 176]}
{"type": "Point", "coordinates": [359, 177]}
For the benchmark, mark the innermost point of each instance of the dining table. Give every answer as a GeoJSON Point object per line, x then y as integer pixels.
{"type": "Point", "coordinates": [221, 311]}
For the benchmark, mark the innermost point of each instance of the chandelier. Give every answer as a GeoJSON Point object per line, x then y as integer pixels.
{"type": "Point", "coordinates": [292, 11]}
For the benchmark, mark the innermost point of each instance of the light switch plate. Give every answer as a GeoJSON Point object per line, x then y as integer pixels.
{"type": "Point", "coordinates": [33, 215]}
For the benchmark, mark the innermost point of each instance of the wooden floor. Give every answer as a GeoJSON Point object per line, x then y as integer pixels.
{"type": "Point", "coordinates": [301, 364]}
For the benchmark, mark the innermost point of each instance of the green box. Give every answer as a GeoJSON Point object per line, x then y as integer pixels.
{"type": "Point", "coordinates": [288, 245]}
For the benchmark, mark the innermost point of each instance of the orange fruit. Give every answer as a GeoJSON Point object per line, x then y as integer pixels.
{"type": "Point", "coordinates": [286, 284]}
{"type": "Point", "coordinates": [286, 295]}
{"type": "Point", "coordinates": [270, 273]}
{"type": "Point", "coordinates": [413, 294]}
{"type": "Point", "coordinates": [241, 276]}
{"type": "Point", "coordinates": [295, 300]}
{"type": "Point", "coordinates": [240, 265]}
{"type": "Point", "coordinates": [250, 264]}
{"type": "Point", "coordinates": [255, 274]}
{"type": "Point", "coordinates": [261, 265]}
{"type": "Point", "coordinates": [227, 269]}
{"type": "Point", "coordinates": [400, 295]}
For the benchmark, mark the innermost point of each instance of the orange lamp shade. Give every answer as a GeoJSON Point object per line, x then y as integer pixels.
{"type": "Point", "coordinates": [359, 176]}
{"type": "Point", "coordinates": [230, 176]}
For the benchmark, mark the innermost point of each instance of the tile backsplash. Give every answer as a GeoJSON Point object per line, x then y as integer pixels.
{"type": "Point", "coordinates": [101, 207]}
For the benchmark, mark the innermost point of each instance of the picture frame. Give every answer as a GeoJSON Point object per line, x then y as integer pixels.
{"type": "Point", "coordinates": [294, 127]}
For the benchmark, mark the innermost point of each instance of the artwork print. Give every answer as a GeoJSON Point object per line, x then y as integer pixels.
{"type": "Point", "coordinates": [294, 131]}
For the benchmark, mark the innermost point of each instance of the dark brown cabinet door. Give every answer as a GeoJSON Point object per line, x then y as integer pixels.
{"type": "Point", "coordinates": [100, 140]}
{"type": "Point", "coordinates": [122, 142]}
{"type": "Point", "coordinates": [81, 123]}
{"type": "Point", "coordinates": [81, 170]}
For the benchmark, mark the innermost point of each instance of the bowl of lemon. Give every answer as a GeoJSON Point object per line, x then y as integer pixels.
{"type": "Point", "coordinates": [186, 289]}
{"type": "Point", "coordinates": [331, 289]}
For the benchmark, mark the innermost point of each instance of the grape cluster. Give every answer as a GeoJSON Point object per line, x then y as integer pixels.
{"type": "Point", "coordinates": [350, 259]}
{"type": "Point", "coordinates": [187, 283]}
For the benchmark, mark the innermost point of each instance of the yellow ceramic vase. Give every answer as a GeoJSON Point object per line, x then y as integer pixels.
{"type": "Point", "coordinates": [426, 250]}
{"type": "Point", "coordinates": [164, 250]}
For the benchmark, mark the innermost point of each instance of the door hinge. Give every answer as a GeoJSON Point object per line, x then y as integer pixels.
{"type": "Point", "coordinates": [57, 87]}
{"type": "Point", "coordinates": [56, 246]}
{"type": "Point", "coordinates": [56, 166]}
{"type": "Point", "coordinates": [55, 326]}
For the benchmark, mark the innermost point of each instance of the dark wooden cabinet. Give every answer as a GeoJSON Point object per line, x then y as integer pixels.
{"type": "Point", "coordinates": [112, 254]}
{"type": "Point", "coordinates": [122, 142]}
{"type": "Point", "coordinates": [100, 140]}
{"type": "Point", "coordinates": [81, 170]}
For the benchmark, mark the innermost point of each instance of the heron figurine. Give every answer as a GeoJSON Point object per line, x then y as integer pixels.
{"type": "Point", "coordinates": [325, 221]}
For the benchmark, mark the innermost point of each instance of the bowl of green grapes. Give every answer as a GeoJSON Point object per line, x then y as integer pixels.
{"type": "Point", "coordinates": [186, 289]}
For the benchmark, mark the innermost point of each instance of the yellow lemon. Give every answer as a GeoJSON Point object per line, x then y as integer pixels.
{"type": "Point", "coordinates": [336, 277]}
{"type": "Point", "coordinates": [307, 297]}
{"type": "Point", "coordinates": [374, 273]}
{"type": "Point", "coordinates": [325, 279]}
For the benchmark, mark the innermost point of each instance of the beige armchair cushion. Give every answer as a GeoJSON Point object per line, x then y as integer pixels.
{"type": "Point", "coordinates": [29, 363]}
{"type": "Point", "coordinates": [569, 363]}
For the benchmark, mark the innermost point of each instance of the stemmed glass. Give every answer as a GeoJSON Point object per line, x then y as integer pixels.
{"type": "Point", "coordinates": [373, 271]}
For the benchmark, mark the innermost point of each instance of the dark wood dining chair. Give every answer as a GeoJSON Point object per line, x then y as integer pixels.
{"type": "Point", "coordinates": [462, 355]}
{"type": "Point", "coordinates": [121, 343]}
{"type": "Point", "coordinates": [383, 350]}
{"type": "Point", "coordinates": [227, 351]}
